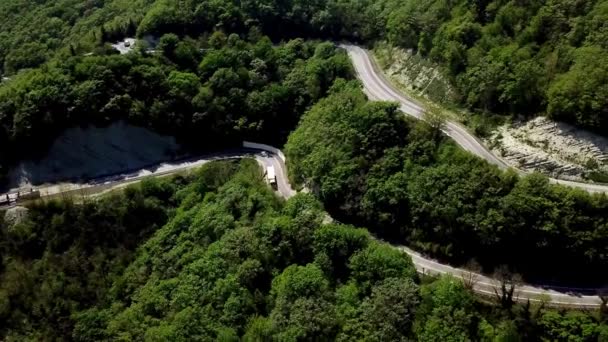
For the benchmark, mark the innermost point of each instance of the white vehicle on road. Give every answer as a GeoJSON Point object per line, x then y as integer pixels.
{"type": "Point", "coordinates": [271, 177]}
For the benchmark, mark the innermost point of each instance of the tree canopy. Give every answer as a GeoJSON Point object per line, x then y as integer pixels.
{"type": "Point", "coordinates": [215, 255]}
{"type": "Point", "coordinates": [516, 57]}
{"type": "Point", "coordinates": [373, 167]}
{"type": "Point", "coordinates": [233, 90]}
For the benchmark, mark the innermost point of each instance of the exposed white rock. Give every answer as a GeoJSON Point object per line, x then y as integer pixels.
{"type": "Point", "coordinates": [553, 148]}
{"type": "Point", "coordinates": [125, 46]}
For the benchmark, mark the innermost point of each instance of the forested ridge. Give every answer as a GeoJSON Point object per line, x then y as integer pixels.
{"type": "Point", "coordinates": [234, 262]}
{"type": "Point", "coordinates": [405, 181]}
{"type": "Point", "coordinates": [513, 57]}
{"type": "Point", "coordinates": [520, 57]}
{"type": "Point", "coordinates": [63, 256]}
{"type": "Point", "coordinates": [236, 89]}
{"type": "Point", "coordinates": [509, 57]}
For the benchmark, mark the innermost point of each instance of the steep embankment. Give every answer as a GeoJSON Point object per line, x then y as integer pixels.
{"type": "Point", "coordinates": [84, 153]}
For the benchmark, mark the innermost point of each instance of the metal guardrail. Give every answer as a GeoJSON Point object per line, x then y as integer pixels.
{"type": "Point", "coordinates": [16, 197]}
{"type": "Point", "coordinates": [264, 147]}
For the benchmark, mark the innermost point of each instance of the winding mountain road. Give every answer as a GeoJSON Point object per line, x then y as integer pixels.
{"type": "Point", "coordinates": [270, 156]}
{"type": "Point", "coordinates": [483, 285]}
{"type": "Point", "coordinates": [378, 88]}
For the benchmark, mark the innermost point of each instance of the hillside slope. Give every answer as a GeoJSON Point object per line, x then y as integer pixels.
{"type": "Point", "coordinates": [216, 256]}
{"type": "Point", "coordinates": [503, 56]}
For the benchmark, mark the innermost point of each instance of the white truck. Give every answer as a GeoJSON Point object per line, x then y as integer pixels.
{"type": "Point", "coordinates": [271, 176]}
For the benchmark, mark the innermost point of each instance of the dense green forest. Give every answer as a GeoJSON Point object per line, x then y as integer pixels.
{"type": "Point", "coordinates": [232, 261]}
{"type": "Point", "coordinates": [236, 89]}
{"type": "Point", "coordinates": [32, 32]}
{"type": "Point", "coordinates": [503, 56]}
{"type": "Point", "coordinates": [373, 167]}
{"type": "Point", "coordinates": [64, 256]}
{"type": "Point", "coordinates": [521, 57]}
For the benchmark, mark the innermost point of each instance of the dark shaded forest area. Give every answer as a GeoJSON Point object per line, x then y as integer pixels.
{"type": "Point", "coordinates": [236, 89]}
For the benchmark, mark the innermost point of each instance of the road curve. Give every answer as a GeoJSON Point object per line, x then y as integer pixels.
{"type": "Point", "coordinates": [482, 285]}
{"type": "Point", "coordinates": [376, 87]}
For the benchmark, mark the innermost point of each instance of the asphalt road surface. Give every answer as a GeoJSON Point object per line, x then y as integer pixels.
{"type": "Point", "coordinates": [266, 159]}
{"type": "Point", "coordinates": [481, 284]}
{"type": "Point", "coordinates": [559, 297]}
{"type": "Point", "coordinates": [378, 88]}
{"type": "Point", "coordinates": [122, 179]}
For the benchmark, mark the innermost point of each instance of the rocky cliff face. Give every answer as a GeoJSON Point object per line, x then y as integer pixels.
{"type": "Point", "coordinates": [83, 153]}
{"type": "Point", "coordinates": [553, 148]}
